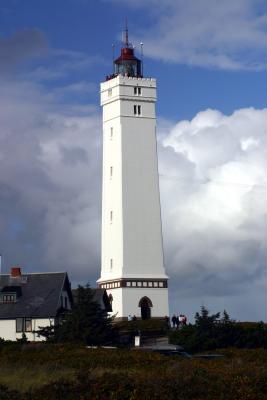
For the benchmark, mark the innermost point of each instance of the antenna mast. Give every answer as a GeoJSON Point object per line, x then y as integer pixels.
{"type": "Point", "coordinates": [113, 57]}
{"type": "Point", "coordinates": [126, 38]}
{"type": "Point", "coordinates": [142, 58]}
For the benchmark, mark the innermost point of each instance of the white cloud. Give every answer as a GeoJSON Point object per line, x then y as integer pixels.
{"type": "Point", "coordinates": [229, 35]}
{"type": "Point", "coordinates": [215, 205]}
{"type": "Point", "coordinates": [50, 183]}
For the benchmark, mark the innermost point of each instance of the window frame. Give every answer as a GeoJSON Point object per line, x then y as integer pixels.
{"type": "Point", "coordinates": [17, 323]}
{"type": "Point", "coordinates": [26, 321]}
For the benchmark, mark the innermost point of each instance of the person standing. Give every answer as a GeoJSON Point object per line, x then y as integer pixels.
{"type": "Point", "coordinates": [174, 320]}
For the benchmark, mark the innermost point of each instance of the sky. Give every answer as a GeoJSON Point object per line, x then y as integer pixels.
{"type": "Point", "coordinates": [210, 61]}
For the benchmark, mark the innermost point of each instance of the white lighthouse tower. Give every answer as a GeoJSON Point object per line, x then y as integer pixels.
{"type": "Point", "coordinates": [132, 269]}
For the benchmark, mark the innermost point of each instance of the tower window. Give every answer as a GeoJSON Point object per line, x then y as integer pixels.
{"type": "Point", "coordinates": [137, 110]}
{"type": "Point", "coordinates": [111, 172]}
{"type": "Point", "coordinates": [111, 133]}
{"type": "Point", "coordinates": [111, 263]}
{"type": "Point", "coordinates": [137, 90]}
{"type": "Point", "coordinates": [109, 92]}
{"type": "Point", "coordinates": [111, 216]}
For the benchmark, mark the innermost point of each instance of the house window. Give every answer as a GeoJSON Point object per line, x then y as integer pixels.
{"type": "Point", "coordinates": [23, 325]}
{"type": "Point", "coordinates": [19, 325]}
{"type": "Point", "coordinates": [28, 325]}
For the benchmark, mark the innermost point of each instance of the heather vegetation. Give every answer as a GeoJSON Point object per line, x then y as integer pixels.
{"type": "Point", "coordinates": [69, 372]}
{"type": "Point", "coordinates": [68, 367]}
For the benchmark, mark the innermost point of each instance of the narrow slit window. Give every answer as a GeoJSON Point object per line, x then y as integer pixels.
{"type": "Point", "coordinates": [139, 110]}
{"type": "Point", "coordinates": [111, 172]}
{"type": "Point", "coordinates": [111, 133]}
{"type": "Point", "coordinates": [135, 90]}
{"type": "Point", "coordinates": [111, 216]}
{"type": "Point", "coordinates": [135, 109]}
{"type": "Point", "coordinates": [139, 90]}
{"type": "Point", "coordinates": [111, 263]}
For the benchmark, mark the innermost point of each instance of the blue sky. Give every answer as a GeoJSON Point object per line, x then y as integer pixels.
{"type": "Point", "coordinates": [210, 61]}
{"type": "Point", "coordinates": [90, 27]}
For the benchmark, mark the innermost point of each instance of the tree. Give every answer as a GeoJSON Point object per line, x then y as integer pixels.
{"type": "Point", "coordinates": [86, 324]}
{"type": "Point", "coordinates": [204, 320]}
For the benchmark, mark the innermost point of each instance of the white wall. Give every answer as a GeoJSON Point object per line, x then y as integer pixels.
{"type": "Point", "coordinates": [8, 329]}
{"type": "Point", "coordinates": [132, 239]}
{"type": "Point", "coordinates": [126, 300]}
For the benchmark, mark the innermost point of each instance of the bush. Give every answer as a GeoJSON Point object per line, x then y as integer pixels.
{"type": "Point", "coordinates": [209, 332]}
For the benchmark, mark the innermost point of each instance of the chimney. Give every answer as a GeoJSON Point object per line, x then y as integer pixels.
{"type": "Point", "coordinates": [15, 272]}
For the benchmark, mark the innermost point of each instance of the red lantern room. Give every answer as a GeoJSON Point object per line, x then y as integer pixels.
{"type": "Point", "coordinates": [127, 64]}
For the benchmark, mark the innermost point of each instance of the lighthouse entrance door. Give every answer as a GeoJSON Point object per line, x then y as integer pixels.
{"type": "Point", "coordinates": [145, 303]}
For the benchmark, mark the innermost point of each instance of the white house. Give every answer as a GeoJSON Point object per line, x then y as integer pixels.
{"type": "Point", "coordinates": [30, 301]}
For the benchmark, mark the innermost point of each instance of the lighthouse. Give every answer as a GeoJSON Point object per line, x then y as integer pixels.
{"type": "Point", "coordinates": [132, 263]}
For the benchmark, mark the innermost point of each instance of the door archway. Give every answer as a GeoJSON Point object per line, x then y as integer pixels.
{"type": "Point", "coordinates": [145, 304]}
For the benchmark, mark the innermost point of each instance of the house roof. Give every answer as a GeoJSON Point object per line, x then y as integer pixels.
{"type": "Point", "coordinates": [40, 294]}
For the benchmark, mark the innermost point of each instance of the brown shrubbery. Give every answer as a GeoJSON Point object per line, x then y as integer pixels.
{"type": "Point", "coordinates": [73, 373]}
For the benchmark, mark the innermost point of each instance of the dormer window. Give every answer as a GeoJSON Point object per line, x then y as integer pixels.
{"type": "Point", "coordinates": [8, 298]}
{"type": "Point", "coordinates": [10, 294]}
